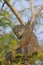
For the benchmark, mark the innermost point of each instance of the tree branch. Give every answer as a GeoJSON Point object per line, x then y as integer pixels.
{"type": "Point", "coordinates": [32, 7]}
{"type": "Point", "coordinates": [38, 12]}
{"type": "Point", "coordinates": [15, 12]}
{"type": "Point", "coordinates": [33, 13]}
{"type": "Point", "coordinates": [28, 8]}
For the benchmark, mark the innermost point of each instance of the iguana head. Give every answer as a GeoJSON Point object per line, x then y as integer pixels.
{"type": "Point", "coordinates": [19, 30]}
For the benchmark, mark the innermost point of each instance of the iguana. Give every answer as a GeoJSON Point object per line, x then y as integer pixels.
{"type": "Point", "coordinates": [28, 44]}
{"type": "Point", "coordinates": [23, 33]}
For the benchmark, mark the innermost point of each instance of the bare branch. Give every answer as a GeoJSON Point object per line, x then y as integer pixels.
{"type": "Point", "coordinates": [32, 21]}
{"type": "Point", "coordinates": [33, 13]}
{"type": "Point", "coordinates": [15, 12]}
{"type": "Point", "coordinates": [2, 6]}
{"type": "Point", "coordinates": [28, 8]}
{"type": "Point", "coordinates": [32, 7]}
{"type": "Point", "coordinates": [39, 10]}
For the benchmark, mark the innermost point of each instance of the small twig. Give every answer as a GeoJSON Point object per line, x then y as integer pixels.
{"type": "Point", "coordinates": [39, 10]}
{"type": "Point", "coordinates": [2, 6]}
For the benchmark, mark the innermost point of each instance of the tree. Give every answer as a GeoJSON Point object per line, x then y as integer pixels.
{"type": "Point", "coordinates": [8, 39]}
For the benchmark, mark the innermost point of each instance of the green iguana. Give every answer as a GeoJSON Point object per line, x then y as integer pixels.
{"type": "Point", "coordinates": [28, 44]}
